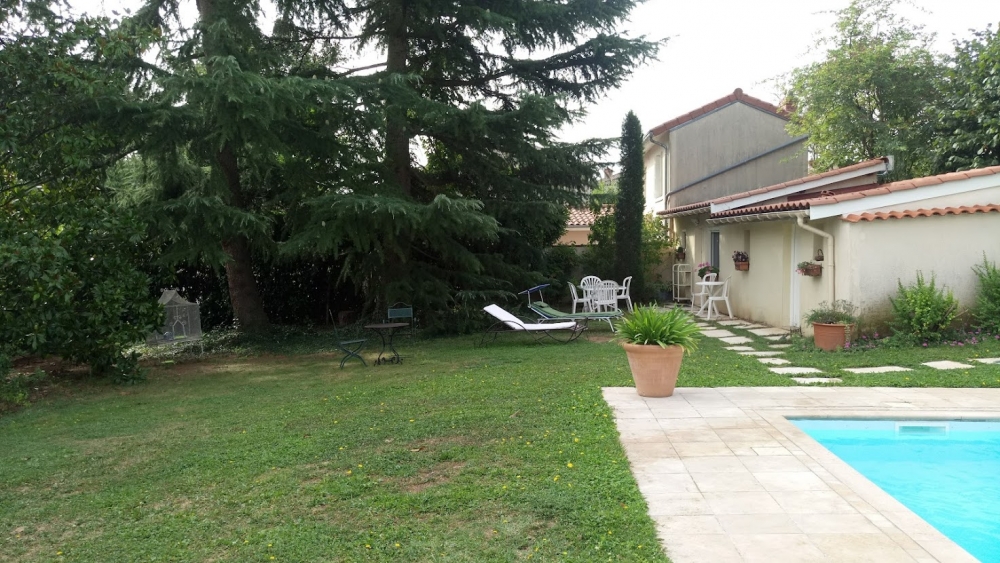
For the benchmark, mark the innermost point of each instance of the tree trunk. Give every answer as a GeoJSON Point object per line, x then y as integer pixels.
{"type": "Point", "coordinates": [244, 297]}
{"type": "Point", "coordinates": [397, 139]}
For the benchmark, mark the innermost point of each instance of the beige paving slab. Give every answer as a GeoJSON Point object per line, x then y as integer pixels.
{"type": "Point", "coordinates": [739, 482]}
{"type": "Point", "coordinates": [794, 370]}
{"type": "Point", "coordinates": [718, 333]}
{"type": "Point", "coordinates": [774, 361]}
{"type": "Point", "coordinates": [762, 353]}
{"type": "Point", "coordinates": [737, 340]}
{"type": "Point", "coordinates": [878, 369]}
{"type": "Point", "coordinates": [947, 364]}
{"type": "Point", "coordinates": [769, 331]}
{"type": "Point", "coordinates": [779, 346]}
{"type": "Point", "coordinates": [740, 348]}
{"type": "Point", "coordinates": [986, 360]}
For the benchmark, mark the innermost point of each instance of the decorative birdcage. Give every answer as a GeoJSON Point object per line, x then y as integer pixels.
{"type": "Point", "coordinates": [182, 320]}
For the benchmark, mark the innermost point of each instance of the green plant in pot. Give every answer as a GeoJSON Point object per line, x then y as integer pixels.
{"type": "Point", "coordinates": [832, 324]}
{"type": "Point", "coordinates": [655, 341]}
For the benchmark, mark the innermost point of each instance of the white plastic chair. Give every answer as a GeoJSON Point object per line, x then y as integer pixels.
{"type": "Point", "coordinates": [588, 284]}
{"type": "Point", "coordinates": [703, 292]}
{"type": "Point", "coordinates": [584, 301]}
{"type": "Point", "coordinates": [605, 296]}
{"type": "Point", "coordinates": [624, 292]}
{"type": "Point", "coordinates": [722, 296]}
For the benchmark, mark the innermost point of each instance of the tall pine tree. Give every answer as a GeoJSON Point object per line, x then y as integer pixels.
{"type": "Point", "coordinates": [629, 209]}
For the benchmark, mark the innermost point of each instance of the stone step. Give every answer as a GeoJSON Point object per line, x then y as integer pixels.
{"type": "Point", "coordinates": [794, 370]}
{"type": "Point", "coordinates": [779, 345]}
{"type": "Point", "coordinates": [737, 340]}
{"type": "Point", "coordinates": [740, 348]}
{"type": "Point", "coordinates": [986, 360]}
{"type": "Point", "coordinates": [880, 369]}
{"type": "Point", "coordinates": [762, 353]}
{"type": "Point", "coordinates": [947, 364]}
{"type": "Point", "coordinates": [774, 361]}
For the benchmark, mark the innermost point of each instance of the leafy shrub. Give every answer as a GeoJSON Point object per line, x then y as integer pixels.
{"type": "Point", "coordinates": [70, 281]}
{"type": "Point", "coordinates": [15, 389]}
{"type": "Point", "coordinates": [561, 263]}
{"type": "Point", "coordinates": [987, 311]}
{"type": "Point", "coordinates": [650, 325]}
{"type": "Point", "coordinates": [923, 312]}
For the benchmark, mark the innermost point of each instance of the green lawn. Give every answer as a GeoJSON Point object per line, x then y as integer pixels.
{"type": "Point", "coordinates": [506, 453]}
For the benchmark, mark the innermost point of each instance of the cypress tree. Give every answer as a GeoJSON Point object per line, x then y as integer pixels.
{"type": "Point", "coordinates": [629, 209]}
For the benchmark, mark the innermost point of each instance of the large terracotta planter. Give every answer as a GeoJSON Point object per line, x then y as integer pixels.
{"type": "Point", "coordinates": [830, 337]}
{"type": "Point", "coordinates": [654, 369]}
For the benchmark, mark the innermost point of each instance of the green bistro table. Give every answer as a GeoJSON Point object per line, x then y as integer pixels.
{"type": "Point", "coordinates": [389, 330]}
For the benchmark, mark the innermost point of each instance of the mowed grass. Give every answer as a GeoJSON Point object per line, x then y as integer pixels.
{"type": "Point", "coordinates": [507, 453]}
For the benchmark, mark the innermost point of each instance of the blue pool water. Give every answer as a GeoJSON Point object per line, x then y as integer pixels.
{"type": "Point", "coordinates": [947, 472]}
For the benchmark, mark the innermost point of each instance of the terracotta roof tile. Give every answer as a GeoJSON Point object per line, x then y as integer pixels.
{"type": "Point", "coordinates": [683, 208]}
{"type": "Point", "coordinates": [736, 96]}
{"type": "Point", "coordinates": [769, 208]}
{"type": "Point", "coordinates": [585, 217]}
{"type": "Point", "coordinates": [939, 211]}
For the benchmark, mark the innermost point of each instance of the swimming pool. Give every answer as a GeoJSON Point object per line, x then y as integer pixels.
{"type": "Point", "coordinates": [947, 472]}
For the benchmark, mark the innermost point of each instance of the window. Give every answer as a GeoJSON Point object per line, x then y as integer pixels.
{"type": "Point", "coordinates": [713, 258]}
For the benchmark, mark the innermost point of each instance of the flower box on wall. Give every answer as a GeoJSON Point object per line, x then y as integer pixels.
{"type": "Point", "coordinates": [810, 269]}
{"type": "Point", "coordinates": [742, 266]}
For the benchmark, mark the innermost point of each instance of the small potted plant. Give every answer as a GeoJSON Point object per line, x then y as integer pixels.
{"type": "Point", "coordinates": [808, 268]}
{"type": "Point", "coordinates": [741, 260]}
{"type": "Point", "coordinates": [655, 341]}
{"type": "Point", "coordinates": [832, 324]}
{"type": "Point", "coordinates": [705, 268]}
{"type": "Point", "coordinates": [679, 254]}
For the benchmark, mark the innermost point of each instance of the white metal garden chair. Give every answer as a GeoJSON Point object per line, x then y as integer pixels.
{"type": "Point", "coordinates": [605, 296]}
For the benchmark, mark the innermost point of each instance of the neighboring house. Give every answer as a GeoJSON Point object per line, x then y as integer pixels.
{"type": "Point", "coordinates": [734, 144]}
{"type": "Point", "coordinates": [871, 236]}
{"type": "Point", "coordinates": [578, 226]}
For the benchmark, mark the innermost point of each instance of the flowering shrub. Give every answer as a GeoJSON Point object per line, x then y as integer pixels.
{"type": "Point", "coordinates": [740, 256]}
{"type": "Point", "coordinates": [706, 268]}
{"type": "Point", "coordinates": [801, 267]}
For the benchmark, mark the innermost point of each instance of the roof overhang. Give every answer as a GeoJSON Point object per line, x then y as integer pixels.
{"type": "Point", "coordinates": [696, 211]}
{"type": "Point", "coordinates": [748, 200]}
{"type": "Point", "coordinates": [875, 201]}
{"type": "Point", "coordinates": [758, 217]}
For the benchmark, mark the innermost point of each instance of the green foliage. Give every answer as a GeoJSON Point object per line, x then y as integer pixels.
{"type": "Point", "coordinates": [922, 312]}
{"type": "Point", "coordinates": [15, 389]}
{"type": "Point", "coordinates": [987, 310]}
{"type": "Point", "coordinates": [650, 325]}
{"type": "Point", "coordinates": [840, 312]}
{"type": "Point", "coordinates": [561, 264]}
{"type": "Point", "coordinates": [70, 281]}
{"type": "Point", "coordinates": [871, 95]}
{"type": "Point", "coordinates": [968, 117]}
{"type": "Point", "coordinates": [628, 216]}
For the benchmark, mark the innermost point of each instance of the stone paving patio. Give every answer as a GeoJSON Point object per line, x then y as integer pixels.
{"type": "Point", "coordinates": [729, 479]}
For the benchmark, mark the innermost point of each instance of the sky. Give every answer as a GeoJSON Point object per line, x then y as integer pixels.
{"type": "Point", "coordinates": [716, 46]}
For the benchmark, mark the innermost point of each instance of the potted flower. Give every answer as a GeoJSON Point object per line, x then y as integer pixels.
{"type": "Point", "coordinates": [655, 341]}
{"type": "Point", "coordinates": [741, 260]}
{"type": "Point", "coordinates": [808, 268]}
{"type": "Point", "coordinates": [832, 324]}
{"type": "Point", "coordinates": [679, 254]}
{"type": "Point", "coordinates": [705, 268]}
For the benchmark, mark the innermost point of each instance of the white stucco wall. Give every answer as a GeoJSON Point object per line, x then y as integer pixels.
{"type": "Point", "coordinates": [887, 251]}
{"type": "Point", "coordinates": [761, 293]}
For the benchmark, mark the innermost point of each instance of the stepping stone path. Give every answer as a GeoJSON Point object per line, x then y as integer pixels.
{"type": "Point", "coordinates": [987, 360]}
{"type": "Point", "coordinates": [776, 337]}
{"type": "Point", "coordinates": [730, 323]}
{"type": "Point", "coordinates": [773, 361]}
{"type": "Point", "coordinates": [703, 325]}
{"type": "Point", "coordinates": [737, 340]}
{"type": "Point", "coordinates": [769, 331]}
{"type": "Point", "coordinates": [717, 333]}
{"type": "Point", "coordinates": [794, 371]}
{"type": "Point", "coordinates": [947, 364]}
{"type": "Point", "coordinates": [779, 345]}
{"type": "Point", "coordinates": [740, 348]}
{"type": "Point", "coordinates": [881, 369]}
{"type": "Point", "coordinates": [761, 354]}
{"type": "Point", "coordinates": [811, 380]}
{"type": "Point", "coordinates": [753, 326]}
